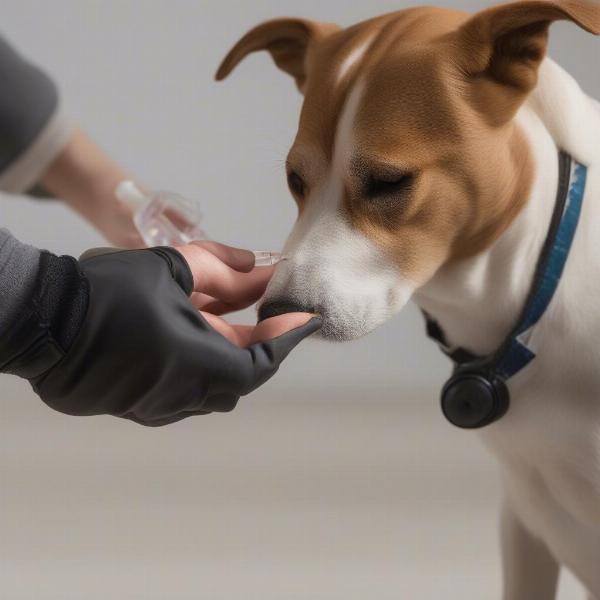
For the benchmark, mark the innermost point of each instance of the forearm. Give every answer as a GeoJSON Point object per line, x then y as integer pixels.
{"type": "Point", "coordinates": [39, 148]}
{"type": "Point", "coordinates": [85, 177]}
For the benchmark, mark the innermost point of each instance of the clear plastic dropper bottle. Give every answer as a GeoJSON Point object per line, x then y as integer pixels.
{"type": "Point", "coordinates": [168, 219]}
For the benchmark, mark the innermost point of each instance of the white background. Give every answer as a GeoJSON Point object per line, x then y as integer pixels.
{"type": "Point", "coordinates": [339, 478]}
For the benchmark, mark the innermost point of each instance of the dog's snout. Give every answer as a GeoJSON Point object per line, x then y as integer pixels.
{"type": "Point", "coordinates": [273, 308]}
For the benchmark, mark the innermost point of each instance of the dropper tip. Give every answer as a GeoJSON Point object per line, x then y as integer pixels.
{"type": "Point", "coordinates": [265, 258]}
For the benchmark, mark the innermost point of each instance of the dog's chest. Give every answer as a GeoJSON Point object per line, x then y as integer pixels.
{"type": "Point", "coordinates": [550, 460]}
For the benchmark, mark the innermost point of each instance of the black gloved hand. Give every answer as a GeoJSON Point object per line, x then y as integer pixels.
{"type": "Point", "coordinates": [117, 334]}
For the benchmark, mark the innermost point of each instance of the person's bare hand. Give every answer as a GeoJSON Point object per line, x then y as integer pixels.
{"type": "Point", "coordinates": [226, 280]}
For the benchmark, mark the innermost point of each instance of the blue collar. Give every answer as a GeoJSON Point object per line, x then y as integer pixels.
{"type": "Point", "coordinates": [514, 355]}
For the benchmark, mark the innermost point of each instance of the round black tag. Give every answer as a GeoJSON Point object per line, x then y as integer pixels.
{"type": "Point", "coordinates": [472, 400]}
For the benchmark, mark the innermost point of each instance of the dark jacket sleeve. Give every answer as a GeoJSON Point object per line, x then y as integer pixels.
{"type": "Point", "coordinates": [33, 129]}
{"type": "Point", "coordinates": [19, 265]}
{"type": "Point", "coordinates": [33, 132]}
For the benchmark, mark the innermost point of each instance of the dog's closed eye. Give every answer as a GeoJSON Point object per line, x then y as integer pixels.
{"type": "Point", "coordinates": [377, 186]}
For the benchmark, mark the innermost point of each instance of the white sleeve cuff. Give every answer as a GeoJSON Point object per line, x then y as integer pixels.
{"type": "Point", "coordinates": [27, 169]}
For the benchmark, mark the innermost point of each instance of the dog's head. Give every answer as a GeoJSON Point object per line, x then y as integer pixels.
{"type": "Point", "coordinates": [407, 155]}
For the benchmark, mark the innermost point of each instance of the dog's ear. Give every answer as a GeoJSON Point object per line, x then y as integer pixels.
{"type": "Point", "coordinates": [501, 48]}
{"type": "Point", "coordinates": [287, 40]}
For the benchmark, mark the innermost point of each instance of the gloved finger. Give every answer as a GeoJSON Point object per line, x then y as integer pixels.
{"type": "Point", "coordinates": [215, 278]}
{"type": "Point", "coordinates": [239, 335]}
{"type": "Point", "coordinates": [94, 252]}
{"type": "Point", "coordinates": [276, 326]}
{"type": "Point", "coordinates": [237, 258]}
{"type": "Point", "coordinates": [178, 266]}
{"type": "Point", "coordinates": [266, 356]}
{"type": "Point", "coordinates": [176, 262]}
{"type": "Point", "coordinates": [165, 420]}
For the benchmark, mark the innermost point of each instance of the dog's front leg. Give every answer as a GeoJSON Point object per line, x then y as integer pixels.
{"type": "Point", "coordinates": [530, 570]}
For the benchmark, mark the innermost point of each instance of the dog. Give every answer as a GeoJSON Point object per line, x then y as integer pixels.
{"type": "Point", "coordinates": [426, 166]}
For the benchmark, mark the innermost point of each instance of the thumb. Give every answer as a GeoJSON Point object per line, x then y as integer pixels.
{"type": "Point", "coordinates": [279, 325]}
{"type": "Point", "coordinates": [268, 354]}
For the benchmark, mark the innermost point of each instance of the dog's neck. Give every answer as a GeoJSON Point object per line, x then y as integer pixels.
{"type": "Point", "coordinates": [478, 300]}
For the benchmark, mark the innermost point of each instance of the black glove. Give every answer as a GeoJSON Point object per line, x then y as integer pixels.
{"type": "Point", "coordinates": [115, 333]}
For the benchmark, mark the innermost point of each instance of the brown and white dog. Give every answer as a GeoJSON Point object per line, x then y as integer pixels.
{"type": "Point", "coordinates": [425, 166]}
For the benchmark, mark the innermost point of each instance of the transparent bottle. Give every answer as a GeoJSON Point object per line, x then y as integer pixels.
{"type": "Point", "coordinates": [162, 218]}
{"type": "Point", "coordinates": [168, 219]}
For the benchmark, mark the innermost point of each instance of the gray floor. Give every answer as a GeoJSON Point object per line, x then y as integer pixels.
{"type": "Point", "coordinates": [292, 496]}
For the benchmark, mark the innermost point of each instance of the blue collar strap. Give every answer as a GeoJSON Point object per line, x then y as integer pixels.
{"type": "Point", "coordinates": [513, 355]}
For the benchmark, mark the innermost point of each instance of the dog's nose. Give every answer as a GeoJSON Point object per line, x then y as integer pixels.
{"type": "Point", "coordinates": [280, 307]}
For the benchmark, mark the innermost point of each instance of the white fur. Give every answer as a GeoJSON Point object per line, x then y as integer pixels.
{"type": "Point", "coordinates": [548, 445]}
{"type": "Point", "coordinates": [354, 57]}
{"type": "Point", "coordinates": [332, 268]}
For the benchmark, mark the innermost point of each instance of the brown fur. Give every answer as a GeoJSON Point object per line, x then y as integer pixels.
{"type": "Point", "coordinates": [441, 89]}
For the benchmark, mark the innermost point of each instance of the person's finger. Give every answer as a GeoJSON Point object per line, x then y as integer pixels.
{"type": "Point", "coordinates": [246, 335]}
{"type": "Point", "coordinates": [200, 300]}
{"type": "Point", "coordinates": [218, 307]}
{"type": "Point", "coordinates": [276, 326]}
{"type": "Point", "coordinates": [212, 305]}
{"type": "Point", "coordinates": [284, 333]}
{"type": "Point", "coordinates": [215, 278]}
{"type": "Point", "coordinates": [236, 258]}
{"type": "Point", "coordinates": [240, 335]}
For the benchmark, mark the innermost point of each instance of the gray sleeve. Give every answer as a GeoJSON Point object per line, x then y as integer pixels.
{"type": "Point", "coordinates": [19, 265]}
{"type": "Point", "coordinates": [33, 129]}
